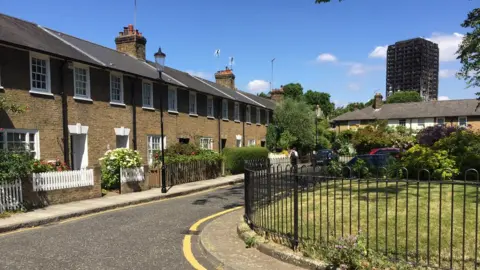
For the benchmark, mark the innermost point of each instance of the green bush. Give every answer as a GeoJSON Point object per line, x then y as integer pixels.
{"type": "Point", "coordinates": [235, 157]}
{"type": "Point", "coordinates": [464, 147]}
{"type": "Point", "coordinates": [184, 153]}
{"type": "Point", "coordinates": [111, 163]}
{"type": "Point", "coordinates": [437, 162]}
{"type": "Point", "coordinates": [14, 165]}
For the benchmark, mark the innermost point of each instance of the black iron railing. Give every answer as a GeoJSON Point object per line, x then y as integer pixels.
{"type": "Point", "coordinates": [423, 222]}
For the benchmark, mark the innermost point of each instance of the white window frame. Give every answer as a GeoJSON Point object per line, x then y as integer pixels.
{"type": "Point", "coordinates": [225, 109]}
{"type": "Point", "coordinates": [87, 69]}
{"type": "Point", "coordinates": [48, 89]}
{"type": "Point", "coordinates": [443, 118]}
{"type": "Point", "coordinates": [192, 103]}
{"type": "Point", "coordinates": [144, 104]}
{"type": "Point", "coordinates": [237, 112]}
{"type": "Point", "coordinates": [248, 115]}
{"type": "Point", "coordinates": [238, 141]}
{"type": "Point", "coordinates": [353, 123]}
{"type": "Point", "coordinates": [466, 121]}
{"type": "Point", "coordinates": [422, 125]}
{"type": "Point", "coordinates": [258, 116]}
{"type": "Point", "coordinates": [251, 142]}
{"type": "Point", "coordinates": [267, 117]}
{"type": "Point", "coordinates": [210, 107]}
{"type": "Point", "coordinates": [206, 143]}
{"type": "Point", "coordinates": [27, 132]}
{"type": "Point", "coordinates": [150, 144]}
{"type": "Point", "coordinates": [121, 100]}
{"type": "Point", "coordinates": [172, 99]}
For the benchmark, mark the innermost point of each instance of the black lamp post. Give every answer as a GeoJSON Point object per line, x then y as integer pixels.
{"type": "Point", "coordinates": [160, 65]}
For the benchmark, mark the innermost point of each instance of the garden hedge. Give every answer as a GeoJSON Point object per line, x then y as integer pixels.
{"type": "Point", "coordinates": [235, 157]}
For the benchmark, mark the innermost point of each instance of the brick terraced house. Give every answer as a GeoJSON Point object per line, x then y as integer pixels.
{"type": "Point", "coordinates": [84, 98]}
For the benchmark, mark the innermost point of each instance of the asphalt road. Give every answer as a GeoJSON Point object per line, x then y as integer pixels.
{"type": "Point", "coordinates": [143, 237]}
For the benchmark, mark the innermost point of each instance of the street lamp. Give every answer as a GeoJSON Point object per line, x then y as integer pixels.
{"type": "Point", "coordinates": [160, 65]}
{"type": "Point", "coordinates": [318, 115]}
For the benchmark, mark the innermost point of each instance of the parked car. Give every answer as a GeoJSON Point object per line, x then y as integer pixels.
{"type": "Point", "coordinates": [323, 157]}
{"type": "Point", "coordinates": [395, 152]}
{"type": "Point", "coordinates": [372, 161]}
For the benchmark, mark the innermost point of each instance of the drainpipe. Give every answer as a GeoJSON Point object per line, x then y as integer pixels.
{"type": "Point", "coordinates": [219, 125]}
{"type": "Point", "coordinates": [243, 125]}
{"type": "Point", "coordinates": [134, 114]}
{"type": "Point", "coordinates": [66, 149]}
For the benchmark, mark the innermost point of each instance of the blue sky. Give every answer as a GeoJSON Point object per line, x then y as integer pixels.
{"type": "Point", "coordinates": [335, 48]}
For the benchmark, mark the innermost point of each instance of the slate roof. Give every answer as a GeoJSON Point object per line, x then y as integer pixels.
{"type": "Point", "coordinates": [461, 107]}
{"type": "Point", "coordinates": [17, 32]}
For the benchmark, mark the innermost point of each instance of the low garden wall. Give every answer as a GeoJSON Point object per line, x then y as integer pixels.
{"type": "Point", "coordinates": [134, 179]}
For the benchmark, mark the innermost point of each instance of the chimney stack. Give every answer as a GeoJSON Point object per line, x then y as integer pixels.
{"type": "Point", "coordinates": [226, 78]}
{"type": "Point", "coordinates": [377, 101]}
{"type": "Point", "coordinates": [131, 42]}
{"type": "Point", "coordinates": [277, 94]}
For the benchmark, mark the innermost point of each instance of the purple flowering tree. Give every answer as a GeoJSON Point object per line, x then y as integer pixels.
{"type": "Point", "coordinates": [430, 135]}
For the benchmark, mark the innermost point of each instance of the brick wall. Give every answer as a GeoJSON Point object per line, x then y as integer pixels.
{"type": "Point", "coordinates": [35, 199]}
{"type": "Point", "coordinates": [101, 117]}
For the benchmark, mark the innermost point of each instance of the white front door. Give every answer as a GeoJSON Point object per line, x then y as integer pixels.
{"type": "Point", "coordinates": [80, 151]}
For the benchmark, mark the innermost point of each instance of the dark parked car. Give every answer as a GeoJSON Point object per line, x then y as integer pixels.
{"type": "Point", "coordinates": [324, 157]}
{"type": "Point", "coordinates": [372, 161]}
{"type": "Point", "coordinates": [395, 152]}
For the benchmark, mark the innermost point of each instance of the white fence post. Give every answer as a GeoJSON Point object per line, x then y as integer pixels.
{"type": "Point", "coordinates": [61, 180]}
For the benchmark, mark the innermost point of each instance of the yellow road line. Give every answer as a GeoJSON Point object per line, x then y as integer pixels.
{"type": "Point", "coordinates": [187, 241]}
{"type": "Point", "coordinates": [113, 210]}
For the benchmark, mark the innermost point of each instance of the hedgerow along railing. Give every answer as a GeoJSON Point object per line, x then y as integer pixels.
{"type": "Point", "coordinates": [186, 172]}
{"type": "Point", "coordinates": [423, 222]}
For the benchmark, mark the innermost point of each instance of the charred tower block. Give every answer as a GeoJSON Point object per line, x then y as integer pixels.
{"type": "Point", "coordinates": [413, 65]}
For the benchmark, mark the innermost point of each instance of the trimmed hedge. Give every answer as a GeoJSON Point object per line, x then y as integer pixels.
{"type": "Point", "coordinates": [235, 157]}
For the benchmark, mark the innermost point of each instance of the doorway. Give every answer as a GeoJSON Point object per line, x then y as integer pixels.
{"type": "Point", "coordinates": [224, 143]}
{"type": "Point", "coordinates": [79, 151]}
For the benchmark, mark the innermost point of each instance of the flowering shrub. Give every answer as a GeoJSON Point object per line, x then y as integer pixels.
{"type": "Point", "coordinates": [437, 162]}
{"type": "Point", "coordinates": [429, 135]}
{"type": "Point", "coordinates": [40, 166]}
{"type": "Point", "coordinates": [111, 163]}
{"type": "Point", "coordinates": [14, 165]}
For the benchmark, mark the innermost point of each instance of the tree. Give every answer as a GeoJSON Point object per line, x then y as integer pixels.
{"type": "Point", "coordinates": [469, 50]}
{"type": "Point", "coordinates": [293, 125]}
{"type": "Point", "coordinates": [263, 95]}
{"type": "Point", "coordinates": [293, 91]}
{"type": "Point", "coordinates": [404, 97]}
{"type": "Point", "coordinates": [313, 98]}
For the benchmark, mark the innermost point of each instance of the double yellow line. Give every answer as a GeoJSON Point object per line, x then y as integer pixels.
{"type": "Point", "coordinates": [187, 241]}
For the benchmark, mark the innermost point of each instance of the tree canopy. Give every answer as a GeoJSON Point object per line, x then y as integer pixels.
{"type": "Point", "coordinates": [262, 94]}
{"type": "Point", "coordinates": [469, 50]}
{"type": "Point", "coordinates": [293, 91]}
{"type": "Point", "coordinates": [404, 97]}
{"type": "Point", "coordinates": [313, 98]}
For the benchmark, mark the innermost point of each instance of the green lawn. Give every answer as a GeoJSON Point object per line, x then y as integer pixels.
{"type": "Point", "coordinates": [380, 210]}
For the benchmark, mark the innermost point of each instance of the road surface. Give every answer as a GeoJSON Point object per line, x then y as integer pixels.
{"type": "Point", "coordinates": [148, 236]}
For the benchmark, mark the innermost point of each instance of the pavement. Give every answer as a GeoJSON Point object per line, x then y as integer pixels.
{"type": "Point", "coordinates": [59, 212]}
{"type": "Point", "coordinates": [225, 250]}
{"type": "Point", "coordinates": [142, 236]}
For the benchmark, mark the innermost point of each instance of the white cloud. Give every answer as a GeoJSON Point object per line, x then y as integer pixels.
{"type": "Point", "coordinates": [258, 86]}
{"type": "Point", "coordinates": [447, 45]}
{"type": "Point", "coordinates": [443, 98]}
{"type": "Point", "coordinates": [201, 74]}
{"type": "Point", "coordinates": [357, 69]}
{"type": "Point", "coordinates": [353, 86]}
{"type": "Point", "coordinates": [446, 73]}
{"type": "Point", "coordinates": [326, 57]}
{"type": "Point", "coordinates": [379, 52]}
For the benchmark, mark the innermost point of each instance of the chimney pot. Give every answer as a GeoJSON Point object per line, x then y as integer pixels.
{"type": "Point", "coordinates": [131, 42]}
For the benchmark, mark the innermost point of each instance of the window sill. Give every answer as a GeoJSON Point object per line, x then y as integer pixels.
{"type": "Point", "coordinates": [193, 114]}
{"type": "Point", "coordinates": [83, 99]}
{"type": "Point", "coordinates": [224, 119]}
{"type": "Point", "coordinates": [172, 112]}
{"type": "Point", "coordinates": [36, 92]}
{"type": "Point", "coordinates": [148, 108]}
{"type": "Point", "coordinates": [237, 121]}
{"type": "Point", "coordinates": [1, 87]}
{"type": "Point", "coordinates": [259, 124]}
{"type": "Point", "coordinates": [118, 104]}
{"type": "Point", "coordinates": [249, 123]}
{"type": "Point", "coordinates": [210, 117]}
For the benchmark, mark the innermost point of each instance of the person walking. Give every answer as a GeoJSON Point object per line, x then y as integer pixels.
{"type": "Point", "coordinates": [293, 157]}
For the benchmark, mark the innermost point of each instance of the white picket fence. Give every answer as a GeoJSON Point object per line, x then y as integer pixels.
{"type": "Point", "coordinates": [11, 197]}
{"type": "Point", "coordinates": [280, 163]}
{"type": "Point", "coordinates": [132, 175]}
{"type": "Point", "coordinates": [61, 180]}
